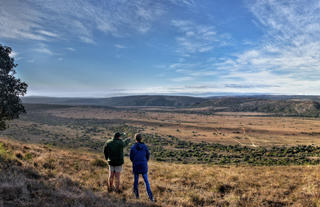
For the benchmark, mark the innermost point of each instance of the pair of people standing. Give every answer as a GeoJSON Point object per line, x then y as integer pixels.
{"type": "Point", "coordinates": [139, 156]}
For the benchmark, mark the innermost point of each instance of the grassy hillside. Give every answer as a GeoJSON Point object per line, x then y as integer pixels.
{"type": "Point", "coordinates": [276, 105]}
{"type": "Point", "coordinates": [40, 125]}
{"type": "Point", "coordinates": [40, 175]}
{"type": "Point", "coordinates": [289, 107]}
{"type": "Point", "coordinates": [170, 101]}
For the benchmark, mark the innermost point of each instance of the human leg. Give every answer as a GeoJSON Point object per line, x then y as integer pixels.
{"type": "Point", "coordinates": [135, 185]}
{"type": "Point", "coordinates": [111, 178]}
{"type": "Point", "coordinates": [146, 182]}
{"type": "Point", "coordinates": [117, 175]}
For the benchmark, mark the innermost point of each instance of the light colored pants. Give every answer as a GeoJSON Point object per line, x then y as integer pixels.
{"type": "Point", "coordinates": [115, 168]}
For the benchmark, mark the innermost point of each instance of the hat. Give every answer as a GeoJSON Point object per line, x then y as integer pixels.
{"type": "Point", "coordinates": [118, 134]}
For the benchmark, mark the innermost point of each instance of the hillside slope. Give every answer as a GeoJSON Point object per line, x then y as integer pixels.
{"type": "Point", "coordinates": [277, 105]}
{"type": "Point", "coordinates": [289, 107]}
{"type": "Point", "coordinates": [169, 101]}
{"type": "Point", "coordinates": [39, 175]}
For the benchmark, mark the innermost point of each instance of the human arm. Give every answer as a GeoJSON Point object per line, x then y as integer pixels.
{"type": "Point", "coordinates": [105, 151]}
{"type": "Point", "coordinates": [126, 142]}
{"type": "Point", "coordinates": [132, 154]}
{"type": "Point", "coordinates": [147, 153]}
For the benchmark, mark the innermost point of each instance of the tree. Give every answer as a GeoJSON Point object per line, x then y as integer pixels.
{"type": "Point", "coordinates": [11, 88]}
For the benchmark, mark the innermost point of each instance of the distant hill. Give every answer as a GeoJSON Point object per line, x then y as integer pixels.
{"type": "Point", "coordinates": [169, 101]}
{"type": "Point", "coordinates": [276, 105]}
{"type": "Point", "coordinates": [280, 105]}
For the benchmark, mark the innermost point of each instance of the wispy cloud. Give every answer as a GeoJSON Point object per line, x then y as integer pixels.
{"type": "Point", "coordinates": [70, 49]}
{"type": "Point", "coordinates": [182, 79]}
{"type": "Point", "coordinates": [43, 49]}
{"type": "Point", "coordinates": [183, 2]}
{"type": "Point", "coordinates": [21, 25]}
{"type": "Point", "coordinates": [195, 38]}
{"type": "Point", "coordinates": [47, 33]}
{"type": "Point", "coordinates": [36, 19]}
{"type": "Point", "coordinates": [119, 46]}
{"type": "Point", "coordinates": [291, 43]}
{"type": "Point", "coordinates": [287, 60]}
{"type": "Point", "coordinates": [87, 39]}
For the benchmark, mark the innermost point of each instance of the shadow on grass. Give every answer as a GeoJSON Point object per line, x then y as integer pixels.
{"type": "Point", "coordinates": [24, 186]}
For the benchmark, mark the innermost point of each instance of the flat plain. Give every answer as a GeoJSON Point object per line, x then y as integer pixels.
{"type": "Point", "coordinates": [244, 128]}
{"type": "Point", "coordinates": [198, 158]}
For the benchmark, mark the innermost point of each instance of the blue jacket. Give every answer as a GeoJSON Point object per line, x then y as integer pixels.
{"type": "Point", "coordinates": [139, 156]}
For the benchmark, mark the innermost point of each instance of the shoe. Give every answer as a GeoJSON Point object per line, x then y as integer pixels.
{"type": "Point", "coordinates": [118, 191]}
{"type": "Point", "coordinates": [136, 194]}
{"type": "Point", "coordinates": [153, 200]}
{"type": "Point", "coordinates": [110, 189]}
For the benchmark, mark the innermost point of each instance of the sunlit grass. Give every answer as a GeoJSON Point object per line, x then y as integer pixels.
{"type": "Point", "coordinates": [173, 184]}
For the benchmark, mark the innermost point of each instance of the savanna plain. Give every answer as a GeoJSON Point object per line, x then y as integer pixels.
{"type": "Point", "coordinates": [52, 156]}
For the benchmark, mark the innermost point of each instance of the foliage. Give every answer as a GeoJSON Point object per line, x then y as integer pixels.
{"type": "Point", "coordinates": [99, 163]}
{"type": "Point", "coordinates": [92, 133]}
{"type": "Point", "coordinates": [10, 88]}
{"type": "Point", "coordinates": [191, 152]}
{"type": "Point", "coordinates": [32, 183]}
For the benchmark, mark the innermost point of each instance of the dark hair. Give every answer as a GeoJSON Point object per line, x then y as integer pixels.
{"type": "Point", "coordinates": [138, 137]}
{"type": "Point", "coordinates": [117, 135]}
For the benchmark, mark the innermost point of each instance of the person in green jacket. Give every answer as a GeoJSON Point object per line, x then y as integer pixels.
{"type": "Point", "coordinates": [113, 152]}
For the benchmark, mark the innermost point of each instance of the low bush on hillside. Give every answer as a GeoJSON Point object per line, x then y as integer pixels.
{"type": "Point", "coordinates": [75, 181]}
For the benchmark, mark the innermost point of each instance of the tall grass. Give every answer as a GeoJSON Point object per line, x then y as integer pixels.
{"type": "Point", "coordinates": [79, 178]}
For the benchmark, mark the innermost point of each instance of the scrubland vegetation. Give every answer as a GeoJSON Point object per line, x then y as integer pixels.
{"type": "Point", "coordinates": [197, 160]}
{"type": "Point", "coordinates": [40, 175]}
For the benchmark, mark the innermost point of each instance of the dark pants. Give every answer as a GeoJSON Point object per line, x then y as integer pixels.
{"type": "Point", "coordinates": [146, 182]}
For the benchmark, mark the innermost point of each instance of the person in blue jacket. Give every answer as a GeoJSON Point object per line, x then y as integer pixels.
{"type": "Point", "coordinates": [139, 156]}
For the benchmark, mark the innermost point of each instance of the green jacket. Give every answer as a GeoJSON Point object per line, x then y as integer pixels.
{"type": "Point", "coordinates": [113, 151]}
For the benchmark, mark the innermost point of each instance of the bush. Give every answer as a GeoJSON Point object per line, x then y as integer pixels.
{"type": "Point", "coordinates": [99, 163]}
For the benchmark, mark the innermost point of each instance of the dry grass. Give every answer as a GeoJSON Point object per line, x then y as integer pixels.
{"type": "Point", "coordinates": [37, 175]}
{"type": "Point", "coordinates": [225, 128]}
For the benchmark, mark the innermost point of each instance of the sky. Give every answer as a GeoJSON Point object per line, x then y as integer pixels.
{"type": "Point", "coordinates": [103, 48]}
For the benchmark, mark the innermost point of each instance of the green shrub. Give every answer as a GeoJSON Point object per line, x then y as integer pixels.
{"type": "Point", "coordinates": [49, 165]}
{"type": "Point", "coordinates": [4, 153]}
{"type": "Point", "coordinates": [28, 156]}
{"type": "Point", "coordinates": [99, 163]}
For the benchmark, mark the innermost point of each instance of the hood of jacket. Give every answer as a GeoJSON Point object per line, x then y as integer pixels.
{"type": "Point", "coordinates": [140, 146]}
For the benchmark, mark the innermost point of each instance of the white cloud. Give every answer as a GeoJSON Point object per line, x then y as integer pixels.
{"type": "Point", "coordinates": [70, 49]}
{"type": "Point", "coordinates": [182, 79]}
{"type": "Point", "coordinates": [16, 23]}
{"type": "Point", "coordinates": [292, 43]}
{"type": "Point", "coordinates": [46, 33]}
{"type": "Point", "coordinates": [286, 60]}
{"type": "Point", "coordinates": [119, 46]}
{"type": "Point", "coordinates": [196, 38]}
{"type": "Point", "coordinates": [183, 2]}
{"type": "Point", "coordinates": [36, 19]}
{"type": "Point", "coordinates": [86, 39]}
{"type": "Point", "coordinates": [42, 48]}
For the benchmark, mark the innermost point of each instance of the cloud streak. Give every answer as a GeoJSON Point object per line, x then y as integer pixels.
{"type": "Point", "coordinates": [195, 38]}
{"type": "Point", "coordinates": [288, 58]}
{"type": "Point", "coordinates": [35, 19]}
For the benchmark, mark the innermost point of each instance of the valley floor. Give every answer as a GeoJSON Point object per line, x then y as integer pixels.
{"type": "Point", "coordinates": [41, 175]}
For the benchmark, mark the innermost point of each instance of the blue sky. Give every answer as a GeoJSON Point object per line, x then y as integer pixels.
{"type": "Point", "coordinates": [102, 48]}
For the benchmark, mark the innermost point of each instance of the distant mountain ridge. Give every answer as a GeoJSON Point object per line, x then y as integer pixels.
{"type": "Point", "coordinates": [280, 105]}
{"type": "Point", "coordinates": [143, 100]}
